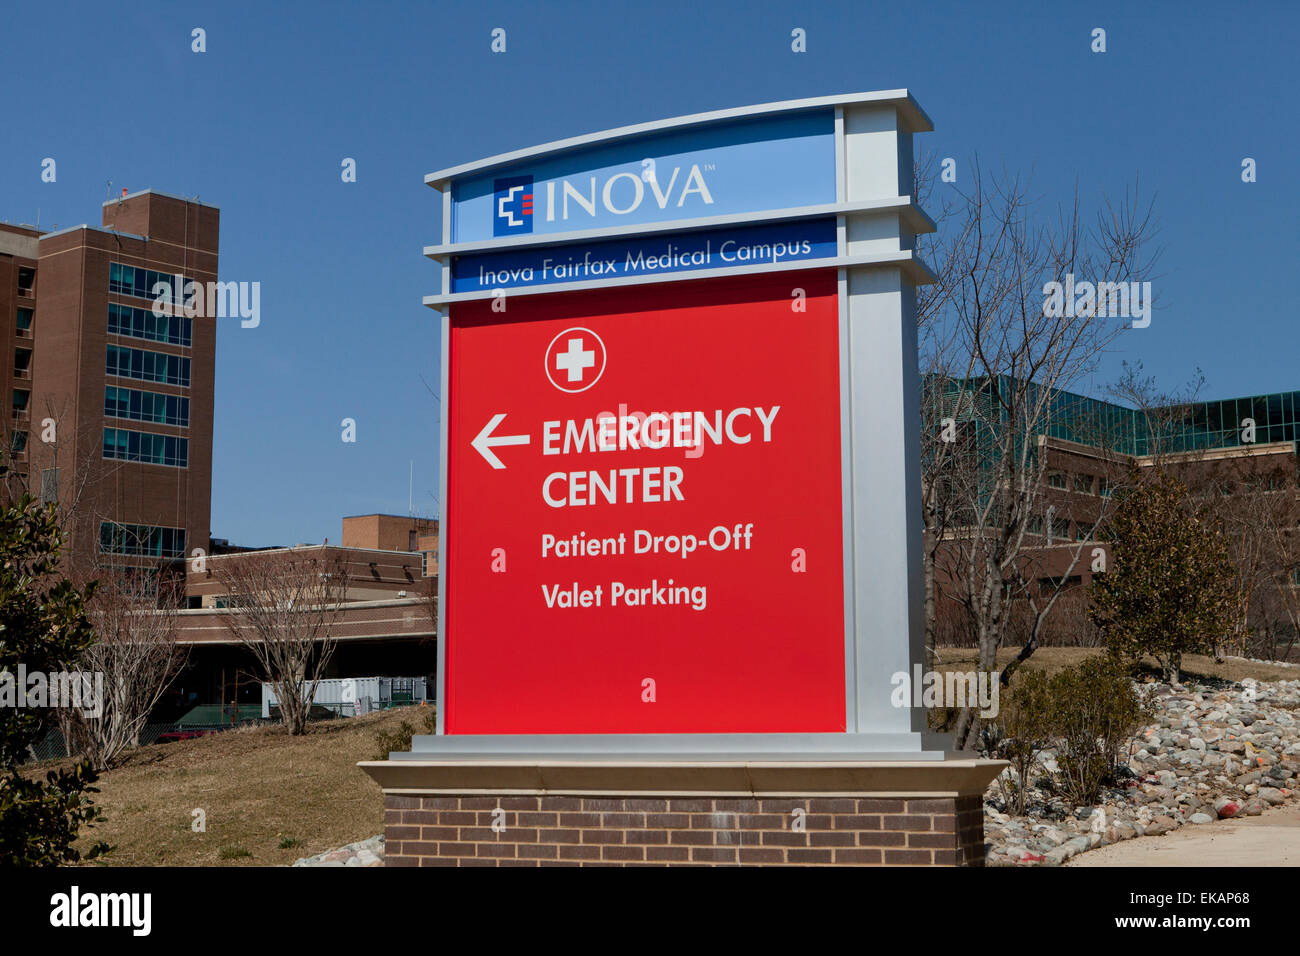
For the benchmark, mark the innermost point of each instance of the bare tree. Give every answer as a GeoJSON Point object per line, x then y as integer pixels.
{"type": "Point", "coordinates": [68, 467]}
{"type": "Point", "coordinates": [136, 653]}
{"type": "Point", "coordinates": [936, 343]}
{"type": "Point", "coordinates": [431, 608]}
{"type": "Point", "coordinates": [1163, 418]}
{"type": "Point", "coordinates": [999, 358]}
{"type": "Point", "coordinates": [1284, 547]}
{"type": "Point", "coordinates": [1260, 514]}
{"type": "Point", "coordinates": [282, 606]}
{"type": "Point", "coordinates": [1245, 504]}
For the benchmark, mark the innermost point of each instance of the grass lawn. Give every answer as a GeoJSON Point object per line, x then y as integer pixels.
{"type": "Point", "coordinates": [259, 787]}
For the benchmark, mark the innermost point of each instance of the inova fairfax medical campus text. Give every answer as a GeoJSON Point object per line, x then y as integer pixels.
{"type": "Point", "coordinates": [729, 252]}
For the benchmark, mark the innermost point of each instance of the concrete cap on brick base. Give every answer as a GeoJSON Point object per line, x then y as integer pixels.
{"type": "Point", "coordinates": [683, 813]}
{"type": "Point", "coordinates": [858, 778]}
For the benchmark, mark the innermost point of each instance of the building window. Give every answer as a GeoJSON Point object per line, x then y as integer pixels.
{"type": "Point", "coordinates": [143, 324]}
{"type": "Point", "coordinates": [146, 448]}
{"type": "Point", "coordinates": [22, 398]}
{"type": "Point", "coordinates": [1052, 584]}
{"type": "Point", "coordinates": [1103, 487]}
{"type": "Point", "coordinates": [17, 442]}
{"type": "Point", "coordinates": [139, 539]}
{"type": "Point", "coordinates": [138, 282]}
{"type": "Point", "coordinates": [148, 366]}
{"type": "Point", "coordinates": [22, 363]}
{"type": "Point", "coordinates": [1056, 479]}
{"type": "Point", "coordinates": [146, 406]}
{"type": "Point", "coordinates": [1083, 484]}
{"type": "Point", "coordinates": [26, 280]}
{"type": "Point", "coordinates": [24, 321]}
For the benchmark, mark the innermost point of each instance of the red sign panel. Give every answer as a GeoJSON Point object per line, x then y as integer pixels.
{"type": "Point", "coordinates": [644, 511]}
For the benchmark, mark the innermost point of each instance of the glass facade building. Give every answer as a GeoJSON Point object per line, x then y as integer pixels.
{"type": "Point", "coordinates": [1226, 423]}
{"type": "Point", "coordinates": [1195, 426]}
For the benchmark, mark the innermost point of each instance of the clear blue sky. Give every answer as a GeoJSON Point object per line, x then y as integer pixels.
{"type": "Point", "coordinates": [259, 124]}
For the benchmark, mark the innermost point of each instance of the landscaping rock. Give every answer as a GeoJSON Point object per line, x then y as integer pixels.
{"type": "Point", "coordinates": [366, 853]}
{"type": "Point", "coordinates": [1208, 753]}
{"type": "Point", "coordinates": [1226, 807]}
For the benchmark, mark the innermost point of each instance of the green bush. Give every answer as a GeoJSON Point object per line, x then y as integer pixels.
{"type": "Point", "coordinates": [1094, 711]}
{"type": "Point", "coordinates": [1170, 588]}
{"type": "Point", "coordinates": [399, 740]}
{"type": "Point", "coordinates": [43, 626]}
{"type": "Point", "coordinates": [1022, 729]}
{"type": "Point", "coordinates": [1088, 711]}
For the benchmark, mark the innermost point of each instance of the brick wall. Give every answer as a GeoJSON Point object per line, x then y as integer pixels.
{"type": "Point", "coordinates": [581, 831]}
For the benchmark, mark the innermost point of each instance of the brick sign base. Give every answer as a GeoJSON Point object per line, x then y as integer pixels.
{"type": "Point", "coordinates": [938, 823]}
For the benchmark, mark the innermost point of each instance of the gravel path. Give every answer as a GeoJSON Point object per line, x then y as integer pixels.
{"type": "Point", "coordinates": [1272, 839]}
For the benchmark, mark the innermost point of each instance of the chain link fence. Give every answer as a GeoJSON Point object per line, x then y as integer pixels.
{"type": "Point", "coordinates": [54, 746]}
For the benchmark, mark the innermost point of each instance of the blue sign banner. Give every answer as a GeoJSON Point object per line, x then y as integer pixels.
{"type": "Point", "coordinates": [769, 244]}
{"type": "Point", "coordinates": [743, 166]}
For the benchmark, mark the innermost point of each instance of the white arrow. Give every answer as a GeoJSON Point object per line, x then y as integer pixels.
{"type": "Point", "coordinates": [484, 445]}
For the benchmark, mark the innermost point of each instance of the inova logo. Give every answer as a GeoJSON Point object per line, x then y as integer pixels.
{"type": "Point", "coordinates": [583, 201]}
{"type": "Point", "coordinates": [512, 206]}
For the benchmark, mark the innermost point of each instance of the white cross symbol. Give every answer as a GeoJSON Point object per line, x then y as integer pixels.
{"type": "Point", "coordinates": [507, 215]}
{"type": "Point", "coordinates": [575, 360]}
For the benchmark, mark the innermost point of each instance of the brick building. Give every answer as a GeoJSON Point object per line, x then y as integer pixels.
{"type": "Point", "coordinates": [111, 413]}
{"type": "Point", "coordinates": [19, 252]}
{"type": "Point", "coordinates": [386, 626]}
{"type": "Point", "coordinates": [1228, 450]}
{"type": "Point", "coordinates": [373, 574]}
{"type": "Point", "coordinates": [110, 406]}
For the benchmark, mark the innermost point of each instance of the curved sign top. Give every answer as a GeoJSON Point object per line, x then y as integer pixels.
{"type": "Point", "coordinates": [774, 162]}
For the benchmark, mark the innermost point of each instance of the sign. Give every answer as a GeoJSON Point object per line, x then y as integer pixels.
{"type": "Point", "coordinates": [768, 163]}
{"type": "Point", "coordinates": [765, 245]}
{"type": "Point", "coordinates": [680, 490]}
{"type": "Point", "coordinates": [644, 511]}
